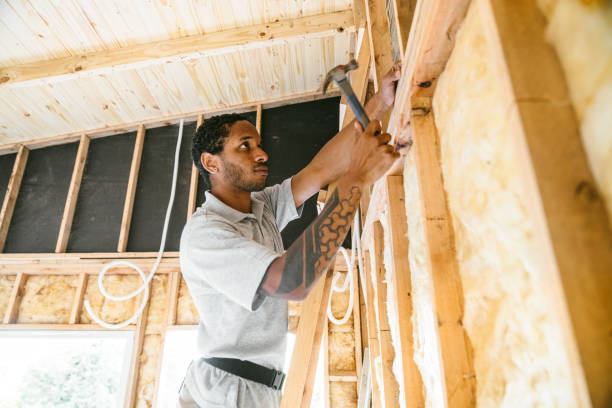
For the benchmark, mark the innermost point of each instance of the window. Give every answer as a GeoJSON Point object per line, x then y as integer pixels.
{"type": "Point", "coordinates": [67, 369]}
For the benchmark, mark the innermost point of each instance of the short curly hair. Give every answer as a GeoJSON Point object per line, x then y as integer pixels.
{"type": "Point", "coordinates": [210, 137]}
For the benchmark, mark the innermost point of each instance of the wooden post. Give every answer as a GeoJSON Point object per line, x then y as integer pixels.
{"type": "Point", "coordinates": [387, 354]}
{"type": "Point", "coordinates": [75, 312]}
{"type": "Point", "coordinates": [73, 194]}
{"type": "Point", "coordinates": [131, 190]}
{"type": "Point", "coordinates": [173, 290]}
{"type": "Point", "coordinates": [398, 229]}
{"type": "Point", "coordinates": [455, 350]}
{"type": "Point", "coordinates": [11, 194]}
{"type": "Point", "coordinates": [193, 183]}
{"type": "Point", "coordinates": [139, 335]}
{"type": "Point", "coordinates": [373, 343]}
{"type": "Point", "coordinates": [380, 40]}
{"type": "Point", "coordinates": [13, 304]}
{"type": "Point", "coordinates": [571, 225]}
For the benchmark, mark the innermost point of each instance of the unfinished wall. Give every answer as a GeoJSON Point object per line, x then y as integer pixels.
{"type": "Point", "coordinates": [519, 357]}
{"type": "Point", "coordinates": [581, 33]}
{"type": "Point", "coordinates": [6, 287]}
{"type": "Point", "coordinates": [47, 299]}
{"type": "Point", "coordinates": [109, 310]}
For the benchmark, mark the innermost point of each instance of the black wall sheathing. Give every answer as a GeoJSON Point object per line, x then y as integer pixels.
{"type": "Point", "coordinates": [6, 168]}
{"type": "Point", "coordinates": [292, 135]}
{"type": "Point", "coordinates": [99, 208]}
{"type": "Point", "coordinates": [42, 197]}
{"type": "Point", "coordinates": [153, 189]}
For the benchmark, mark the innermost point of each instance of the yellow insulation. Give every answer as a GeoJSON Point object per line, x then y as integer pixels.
{"type": "Point", "coordinates": [341, 351]}
{"type": "Point", "coordinates": [186, 310]}
{"type": "Point", "coordinates": [109, 310]}
{"type": "Point", "coordinates": [343, 394]}
{"type": "Point", "coordinates": [6, 287]}
{"type": "Point", "coordinates": [47, 299]}
{"type": "Point", "coordinates": [519, 358]}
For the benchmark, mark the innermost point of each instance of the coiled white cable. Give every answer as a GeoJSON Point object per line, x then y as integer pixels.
{"type": "Point", "coordinates": [145, 279]}
{"type": "Point", "coordinates": [348, 281]}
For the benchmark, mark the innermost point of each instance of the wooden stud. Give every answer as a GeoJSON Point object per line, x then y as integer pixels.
{"type": "Point", "coordinates": [357, 321]}
{"type": "Point", "coordinates": [379, 38]}
{"type": "Point", "coordinates": [60, 327]}
{"type": "Point", "coordinates": [373, 343]}
{"type": "Point", "coordinates": [173, 289]}
{"type": "Point", "coordinates": [135, 361]}
{"type": "Point", "coordinates": [455, 350]}
{"type": "Point", "coordinates": [193, 183]}
{"type": "Point", "coordinates": [570, 222]}
{"type": "Point", "coordinates": [73, 194]}
{"type": "Point", "coordinates": [359, 15]}
{"type": "Point", "coordinates": [131, 190]}
{"type": "Point", "coordinates": [258, 119]}
{"type": "Point", "coordinates": [77, 266]}
{"type": "Point", "coordinates": [342, 376]}
{"type": "Point", "coordinates": [398, 230]}
{"type": "Point", "coordinates": [326, 379]}
{"type": "Point", "coordinates": [359, 78]}
{"type": "Point", "coordinates": [307, 345]}
{"type": "Point", "coordinates": [153, 53]}
{"type": "Point", "coordinates": [77, 305]}
{"type": "Point", "coordinates": [387, 353]}
{"type": "Point", "coordinates": [12, 309]}
{"type": "Point", "coordinates": [11, 194]}
{"type": "Point", "coordinates": [404, 13]}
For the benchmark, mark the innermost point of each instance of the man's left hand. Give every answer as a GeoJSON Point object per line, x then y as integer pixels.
{"type": "Point", "coordinates": [389, 83]}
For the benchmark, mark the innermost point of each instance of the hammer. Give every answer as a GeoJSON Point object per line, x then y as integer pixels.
{"type": "Point", "coordinates": [338, 75]}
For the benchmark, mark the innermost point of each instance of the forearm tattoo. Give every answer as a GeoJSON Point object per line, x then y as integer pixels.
{"type": "Point", "coordinates": [309, 256]}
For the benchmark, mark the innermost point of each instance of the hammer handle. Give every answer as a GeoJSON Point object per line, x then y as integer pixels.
{"type": "Point", "coordinates": [354, 103]}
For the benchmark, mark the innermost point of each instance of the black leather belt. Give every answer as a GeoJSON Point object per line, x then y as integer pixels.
{"type": "Point", "coordinates": [249, 371]}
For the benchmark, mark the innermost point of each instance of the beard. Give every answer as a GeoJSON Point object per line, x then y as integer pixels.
{"type": "Point", "coordinates": [236, 176]}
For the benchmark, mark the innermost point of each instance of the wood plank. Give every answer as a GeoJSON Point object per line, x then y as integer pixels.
{"type": "Point", "coordinates": [173, 289]}
{"type": "Point", "coordinates": [73, 194]}
{"type": "Point", "coordinates": [455, 350]}
{"type": "Point", "coordinates": [404, 13]}
{"type": "Point", "coordinates": [307, 344]}
{"type": "Point", "coordinates": [60, 326]}
{"type": "Point", "coordinates": [85, 255]}
{"type": "Point", "coordinates": [373, 342]}
{"type": "Point", "coordinates": [343, 376]}
{"type": "Point", "coordinates": [387, 353]}
{"type": "Point", "coordinates": [158, 52]}
{"type": "Point", "coordinates": [359, 78]}
{"type": "Point", "coordinates": [379, 38]}
{"type": "Point", "coordinates": [357, 321]}
{"type": "Point", "coordinates": [10, 198]}
{"type": "Point", "coordinates": [131, 190]}
{"type": "Point", "coordinates": [167, 120]}
{"type": "Point", "coordinates": [193, 183]}
{"type": "Point", "coordinates": [258, 119]}
{"type": "Point", "coordinates": [571, 225]}
{"type": "Point", "coordinates": [12, 309]}
{"type": "Point", "coordinates": [171, 299]}
{"type": "Point", "coordinates": [135, 360]}
{"type": "Point", "coordinates": [77, 305]}
{"type": "Point", "coordinates": [326, 376]}
{"type": "Point", "coordinates": [88, 266]}
{"type": "Point", "coordinates": [398, 232]}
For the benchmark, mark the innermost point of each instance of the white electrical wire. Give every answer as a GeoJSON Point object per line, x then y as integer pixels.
{"type": "Point", "coordinates": [348, 281]}
{"type": "Point", "coordinates": [145, 279]}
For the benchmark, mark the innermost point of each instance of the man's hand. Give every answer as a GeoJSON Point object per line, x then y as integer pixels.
{"type": "Point", "coordinates": [389, 84]}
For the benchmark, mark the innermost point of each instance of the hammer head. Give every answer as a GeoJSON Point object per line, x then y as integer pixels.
{"type": "Point", "coordinates": [338, 73]}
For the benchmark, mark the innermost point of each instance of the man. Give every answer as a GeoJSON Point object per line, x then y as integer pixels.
{"type": "Point", "coordinates": [232, 255]}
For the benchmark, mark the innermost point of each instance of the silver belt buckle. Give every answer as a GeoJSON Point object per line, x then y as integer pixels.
{"type": "Point", "coordinates": [279, 379]}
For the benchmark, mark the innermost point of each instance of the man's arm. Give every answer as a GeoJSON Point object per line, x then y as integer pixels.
{"type": "Point", "coordinates": [332, 161]}
{"type": "Point", "coordinates": [293, 275]}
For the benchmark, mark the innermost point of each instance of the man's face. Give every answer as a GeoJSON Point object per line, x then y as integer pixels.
{"type": "Point", "coordinates": [243, 160]}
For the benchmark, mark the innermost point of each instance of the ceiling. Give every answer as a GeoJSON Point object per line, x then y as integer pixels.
{"type": "Point", "coordinates": [70, 67]}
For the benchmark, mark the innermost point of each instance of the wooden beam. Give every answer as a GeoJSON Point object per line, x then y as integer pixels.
{"type": "Point", "coordinates": [193, 183]}
{"type": "Point", "coordinates": [387, 354]}
{"type": "Point", "coordinates": [73, 194]}
{"type": "Point", "coordinates": [326, 376]}
{"type": "Point", "coordinates": [60, 327]}
{"type": "Point", "coordinates": [12, 309]}
{"type": "Point", "coordinates": [77, 305]}
{"type": "Point", "coordinates": [373, 343]}
{"type": "Point", "coordinates": [571, 225]}
{"type": "Point", "coordinates": [455, 350]}
{"type": "Point", "coordinates": [403, 15]}
{"type": "Point", "coordinates": [398, 233]}
{"type": "Point", "coordinates": [34, 257]}
{"type": "Point", "coordinates": [190, 47]}
{"type": "Point", "coordinates": [131, 190]}
{"type": "Point", "coordinates": [8, 206]}
{"type": "Point", "coordinates": [168, 120]}
{"type": "Point", "coordinates": [379, 38]}
{"type": "Point", "coordinates": [173, 289]}
{"type": "Point", "coordinates": [307, 345]}
{"type": "Point", "coordinates": [77, 266]}
{"type": "Point", "coordinates": [357, 321]}
{"type": "Point", "coordinates": [359, 78]}
{"type": "Point", "coordinates": [343, 376]}
{"type": "Point", "coordinates": [258, 119]}
{"type": "Point", "coordinates": [135, 361]}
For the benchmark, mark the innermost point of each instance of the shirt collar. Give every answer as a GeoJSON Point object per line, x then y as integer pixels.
{"type": "Point", "coordinates": [213, 204]}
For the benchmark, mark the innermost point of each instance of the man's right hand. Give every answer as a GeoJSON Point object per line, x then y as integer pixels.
{"type": "Point", "coordinates": [372, 156]}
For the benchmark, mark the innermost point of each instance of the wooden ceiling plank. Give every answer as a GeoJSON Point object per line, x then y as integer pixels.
{"type": "Point", "coordinates": [161, 51]}
{"type": "Point", "coordinates": [10, 198]}
{"type": "Point", "coordinates": [131, 190]}
{"type": "Point", "coordinates": [73, 194]}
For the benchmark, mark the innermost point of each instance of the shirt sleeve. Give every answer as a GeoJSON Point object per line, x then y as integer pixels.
{"type": "Point", "coordinates": [216, 255]}
{"type": "Point", "coordinates": [280, 199]}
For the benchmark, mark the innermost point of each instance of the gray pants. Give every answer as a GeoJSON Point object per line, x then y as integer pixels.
{"type": "Point", "coordinates": [206, 386]}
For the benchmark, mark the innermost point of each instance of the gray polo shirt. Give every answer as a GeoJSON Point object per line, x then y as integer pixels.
{"type": "Point", "coordinates": [224, 256]}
